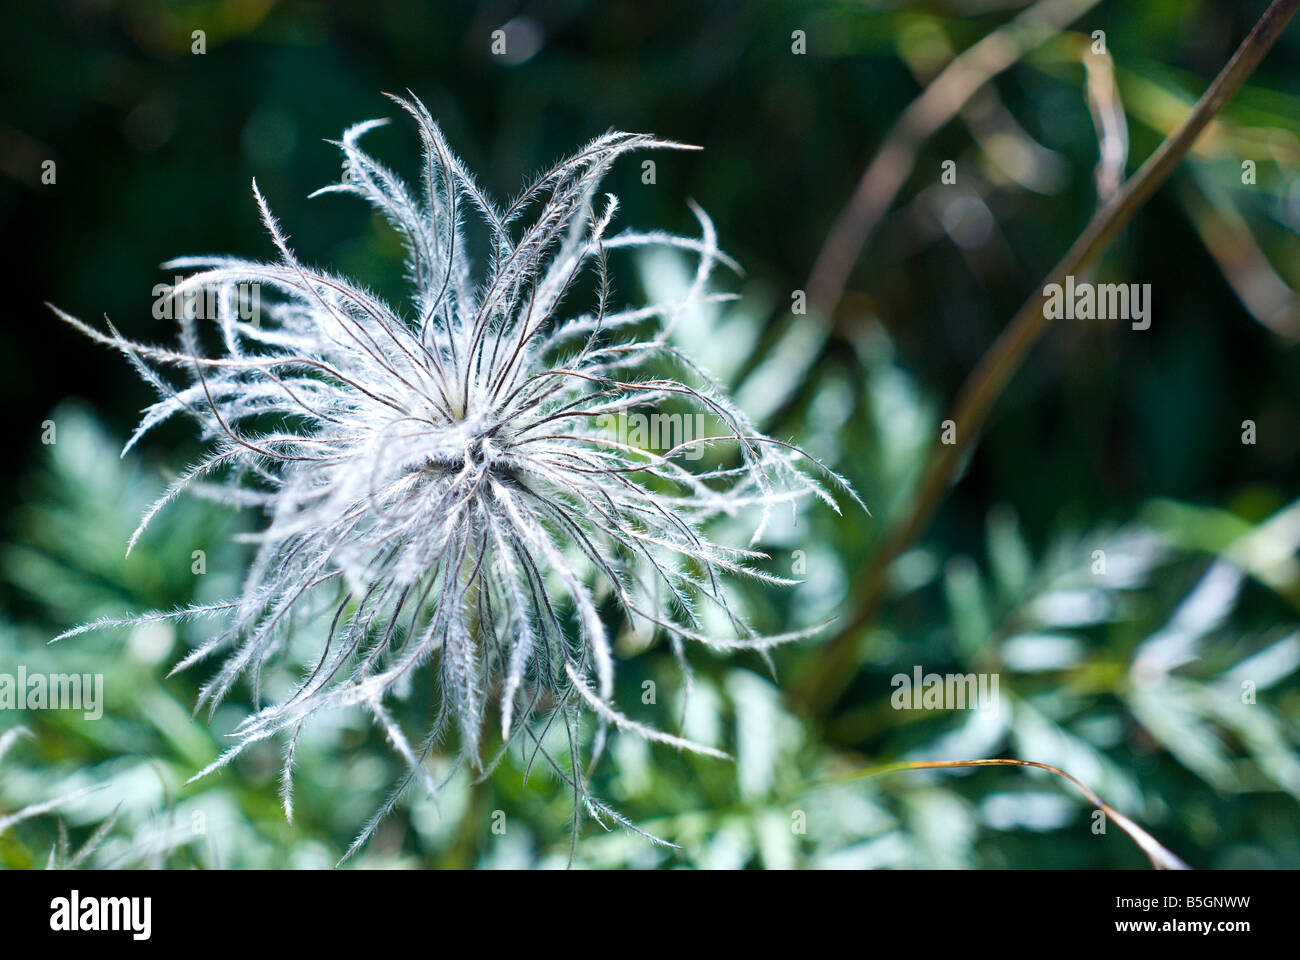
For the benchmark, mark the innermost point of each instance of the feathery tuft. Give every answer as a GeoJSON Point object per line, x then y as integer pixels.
{"type": "Point", "coordinates": [442, 478]}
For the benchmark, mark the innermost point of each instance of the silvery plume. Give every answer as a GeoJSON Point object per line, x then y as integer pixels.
{"type": "Point", "coordinates": [440, 482]}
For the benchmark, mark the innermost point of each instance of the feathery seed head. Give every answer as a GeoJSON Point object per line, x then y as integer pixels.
{"type": "Point", "coordinates": [441, 479]}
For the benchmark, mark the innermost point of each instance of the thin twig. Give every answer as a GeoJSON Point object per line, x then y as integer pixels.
{"type": "Point", "coordinates": [1108, 118]}
{"type": "Point", "coordinates": [1161, 858]}
{"type": "Point", "coordinates": [986, 382]}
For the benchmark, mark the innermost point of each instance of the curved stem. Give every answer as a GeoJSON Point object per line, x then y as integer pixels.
{"type": "Point", "coordinates": [1159, 856]}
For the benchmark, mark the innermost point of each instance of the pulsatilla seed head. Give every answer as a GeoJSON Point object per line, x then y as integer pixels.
{"type": "Point", "coordinates": [439, 478]}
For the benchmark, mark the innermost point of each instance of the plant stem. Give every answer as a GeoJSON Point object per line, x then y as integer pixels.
{"type": "Point", "coordinates": [1161, 858]}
